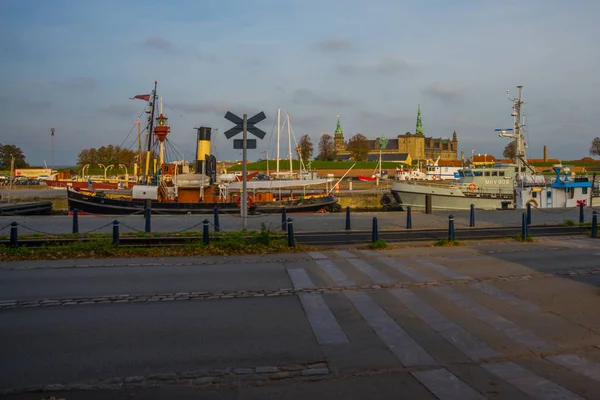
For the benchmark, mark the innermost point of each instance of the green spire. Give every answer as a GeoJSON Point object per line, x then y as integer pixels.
{"type": "Point", "coordinates": [338, 129]}
{"type": "Point", "coordinates": [419, 122]}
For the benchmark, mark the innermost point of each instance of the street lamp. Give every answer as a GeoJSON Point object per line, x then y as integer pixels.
{"type": "Point", "coordinates": [107, 169]}
{"type": "Point", "coordinates": [126, 174]}
{"type": "Point", "coordinates": [52, 137]}
{"type": "Point", "coordinates": [104, 167]}
{"type": "Point", "coordinates": [83, 170]}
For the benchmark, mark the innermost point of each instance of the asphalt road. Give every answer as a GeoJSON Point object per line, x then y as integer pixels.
{"type": "Point", "coordinates": [486, 321]}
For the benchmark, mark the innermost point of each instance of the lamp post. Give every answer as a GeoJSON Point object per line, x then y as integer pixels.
{"type": "Point", "coordinates": [103, 167]}
{"type": "Point", "coordinates": [12, 170]}
{"type": "Point", "coordinates": [107, 169]}
{"type": "Point", "coordinates": [52, 139]}
{"type": "Point", "coordinates": [83, 170]}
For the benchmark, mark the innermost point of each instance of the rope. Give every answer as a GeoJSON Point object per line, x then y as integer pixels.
{"type": "Point", "coordinates": [38, 231]}
{"type": "Point", "coordinates": [554, 212]}
{"type": "Point", "coordinates": [123, 224]}
{"type": "Point", "coordinates": [97, 229]}
{"type": "Point", "coordinates": [3, 228]}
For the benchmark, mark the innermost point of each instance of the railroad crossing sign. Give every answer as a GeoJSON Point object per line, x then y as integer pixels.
{"type": "Point", "coordinates": [250, 122]}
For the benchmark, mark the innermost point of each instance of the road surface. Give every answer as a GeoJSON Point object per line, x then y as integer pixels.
{"type": "Point", "coordinates": [488, 321]}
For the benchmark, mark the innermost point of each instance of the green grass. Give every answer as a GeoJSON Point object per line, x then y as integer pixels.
{"type": "Point", "coordinates": [446, 243]}
{"type": "Point", "coordinates": [264, 241]}
{"type": "Point", "coordinates": [379, 244]}
{"type": "Point", "coordinates": [520, 238]}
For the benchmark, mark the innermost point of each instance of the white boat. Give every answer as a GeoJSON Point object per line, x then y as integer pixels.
{"type": "Point", "coordinates": [500, 186]}
{"type": "Point", "coordinates": [436, 172]}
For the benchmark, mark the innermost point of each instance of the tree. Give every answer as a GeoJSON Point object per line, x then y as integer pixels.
{"type": "Point", "coordinates": [6, 151]}
{"type": "Point", "coordinates": [106, 155]}
{"type": "Point", "coordinates": [358, 146]}
{"type": "Point", "coordinates": [595, 147]}
{"type": "Point", "coordinates": [326, 148]}
{"type": "Point", "coordinates": [510, 151]}
{"type": "Point", "coordinates": [306, 147]}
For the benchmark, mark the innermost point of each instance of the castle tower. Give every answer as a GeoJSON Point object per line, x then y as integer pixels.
{"type": "Point", "coordinates": [338, 137]}
{"type": "Point", "coordinates": [419, 130]}
{"type": "Point", "coordinates": [454, 142]}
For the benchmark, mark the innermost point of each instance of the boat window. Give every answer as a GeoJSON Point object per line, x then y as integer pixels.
{"type": "Point", "coordinates": [500, 173]}
{"type": "Point", "coordinates": [549, 194]}
{"type": "Point", "coordinates": [494, 173]}
{"type": "Point", "coordinates": [516, 169]}
{"type": "Point", "coordinates": [534, 195]}
{"type": "Point", "coordinates": [462, 174]}
{"type": "Point", "coordinates": [572, 194]}
{"type": "Point", "coordinates": [468, 173]}
{"type": "Point", "coordinates": [477, 173]}
{"type": "Point", "coordinates": [583, 190]}
{"type": "Point", "coordinates": [487, 173]}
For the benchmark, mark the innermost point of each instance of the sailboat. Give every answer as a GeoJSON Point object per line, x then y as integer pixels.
{"type": "Point", "coordinates": [170, 187]}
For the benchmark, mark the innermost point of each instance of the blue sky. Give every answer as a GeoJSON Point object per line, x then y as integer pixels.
{"type": "Point", "coordinates": [72, 65]}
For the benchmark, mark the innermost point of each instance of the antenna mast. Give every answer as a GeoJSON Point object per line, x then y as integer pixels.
{"type": "Point", "coordinates": [520, 154]}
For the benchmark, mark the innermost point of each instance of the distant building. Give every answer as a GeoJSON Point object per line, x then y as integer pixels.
{"type": "Point", "coordinates": [415, 145]}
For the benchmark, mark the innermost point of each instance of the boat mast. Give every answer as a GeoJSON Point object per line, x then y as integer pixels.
{"type": "Point", "coordinates": [151, 126]}
{"type": "Point", "coordinates": [289, 129]}
{"type": "Point", "coordinates": [278, 135]}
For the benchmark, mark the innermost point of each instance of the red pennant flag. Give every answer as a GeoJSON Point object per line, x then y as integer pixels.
{"type": "Point", "coordinates": [145, 97]}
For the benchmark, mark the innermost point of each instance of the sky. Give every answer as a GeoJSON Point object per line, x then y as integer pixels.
{"type": "Point", "coordinates": [72, 65]}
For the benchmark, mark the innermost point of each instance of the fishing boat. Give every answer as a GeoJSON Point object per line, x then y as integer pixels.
{"type": "Point", "coordinates": [171, 188]}
{"type": "Point", "coordinates": [500, 186]}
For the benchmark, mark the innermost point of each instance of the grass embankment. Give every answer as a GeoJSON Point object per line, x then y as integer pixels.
{"type": "Point", "coordinates": [264, 241]}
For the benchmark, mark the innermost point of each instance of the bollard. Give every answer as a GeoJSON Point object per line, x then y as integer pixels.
{"type": "Point", "coordinates": [523, 226]}
{"type": "Point", "coordinates": [283, 219]}
{"type": "Point", "coordinates": [451, 228]}
{"type": "Point", "coordinates": [75, 221]}
{"type": "Point", "coordinates": [148, 217]}
{"type": "Point", "coordinates": [115, 232]}
{"type": "Point", "coordinates": [216, 214]}
{"type": "Point", "coordinates": [290, 229]}
{"type": "Point", "coordinates": [472, 218]}
{"type": "Point", "coordinates": [205, 237]}
{"type": "Point", "coordinates": [14, 235]}
{"type": "Point", "coordinates": [408, 217]}
{"type": "Point", "coordinates": [595, 225]}
{"type": "Point", "coordinates": [348, 218]}
{"type": "Point", "coordinates": [581, 219]}
{"type": "Point", "coordinates": [375, 231]}
{"type": "Point", "coordinates": [528, 213]}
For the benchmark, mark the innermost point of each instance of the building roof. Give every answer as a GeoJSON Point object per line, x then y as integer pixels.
{"type": "Point", "coordinates": [397, 157]}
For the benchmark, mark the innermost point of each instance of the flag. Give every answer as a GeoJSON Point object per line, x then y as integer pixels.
{"type": "Point", "coordinates": [145, 97]}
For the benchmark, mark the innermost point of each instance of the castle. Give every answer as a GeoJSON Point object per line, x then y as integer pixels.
{"type": "Point", "coordinates": [406, 147]}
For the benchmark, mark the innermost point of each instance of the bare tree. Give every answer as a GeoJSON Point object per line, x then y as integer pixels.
{"type": "Point", "coordinates": [306, 147]}
{"type": "Point", "coordinates": [326, 148]}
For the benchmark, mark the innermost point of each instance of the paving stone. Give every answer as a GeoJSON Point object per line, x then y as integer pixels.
{"type": "Point", "coordinates": [266, 370]}
{"type": "Point", "coordinates": [167, 376]}
{"type": "Point", "coordinates": [315, 371]}
{"type": "Point", "coordinates": [281, 375]}
{"type": "Point", "coordinates": [241, 371]}
{"type": "Point", "coordinates": [204, 381]}
{"type": "Point", "coordinates": [134, 379]}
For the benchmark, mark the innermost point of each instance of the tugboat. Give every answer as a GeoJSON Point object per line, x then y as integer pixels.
{"type": "Point", "coordinates": [170, 188]}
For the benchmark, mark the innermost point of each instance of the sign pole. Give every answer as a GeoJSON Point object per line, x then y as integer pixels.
{"type": "Point", "coordinates": [244, 202]}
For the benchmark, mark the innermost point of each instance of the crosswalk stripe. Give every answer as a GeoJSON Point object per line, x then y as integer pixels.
{"type": "Point", "coordinates": [322, 321]}
{"type": "Point", "coordinates": [507, 298]}
{"type": "Point", "coordinates": [450, 273]}
{"type": "Point", "coordinates": [400, 267]}
{"type": "Point", "coordinates": [508, 328]}
{"type": "Point", "coordinates": [317, 255]}
{"type": "Point", "coordinates": [336, 275]}
{"type": "Point", "coordinates": [345, 254]}
{"type": "Point", "coordinates": [578, 364]}
{"type": "Point", "coordinates": [446, 386]}
{"type": "Point", "coordinates": [467, 343]}
{"type": "Point", "coordinates": [370, 253]}
{"type": "Point", "coordinates": [409, 352]}
{"type": "Point", "coordinates": [376, 275]}
{"type": "Point", "coordinates": [530, 383]}
{"type": "Point", "coordinates": [300, 278]}
{"type": "Point", "coordinates": [484, 287]}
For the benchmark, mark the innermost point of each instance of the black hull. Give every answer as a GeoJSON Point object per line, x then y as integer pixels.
{"type": "Point", "coordinates": [102, 205]}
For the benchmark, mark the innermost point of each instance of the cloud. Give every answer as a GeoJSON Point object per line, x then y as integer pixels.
{"type": "Point", "coordinates": [38, 105]}
{"type": "Point", "coordinates": [201, 108]}
{"type": "Point", "coordinates": [444, 93]}
{"type": "Point", "coordinates": [386, 118]}
{"type": "Point", "coordinates": [308, 97]}
{"type": "Point", "coordinates": [79, 83]}
{"type": "Point", "coordinates": [122, 111]}
{"type": "Point", "coordinates": [334, 45]}
{"type": "Point", "coordinates": [158, 43]}
{"type": "Point", "coordinates": [386, 66]}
